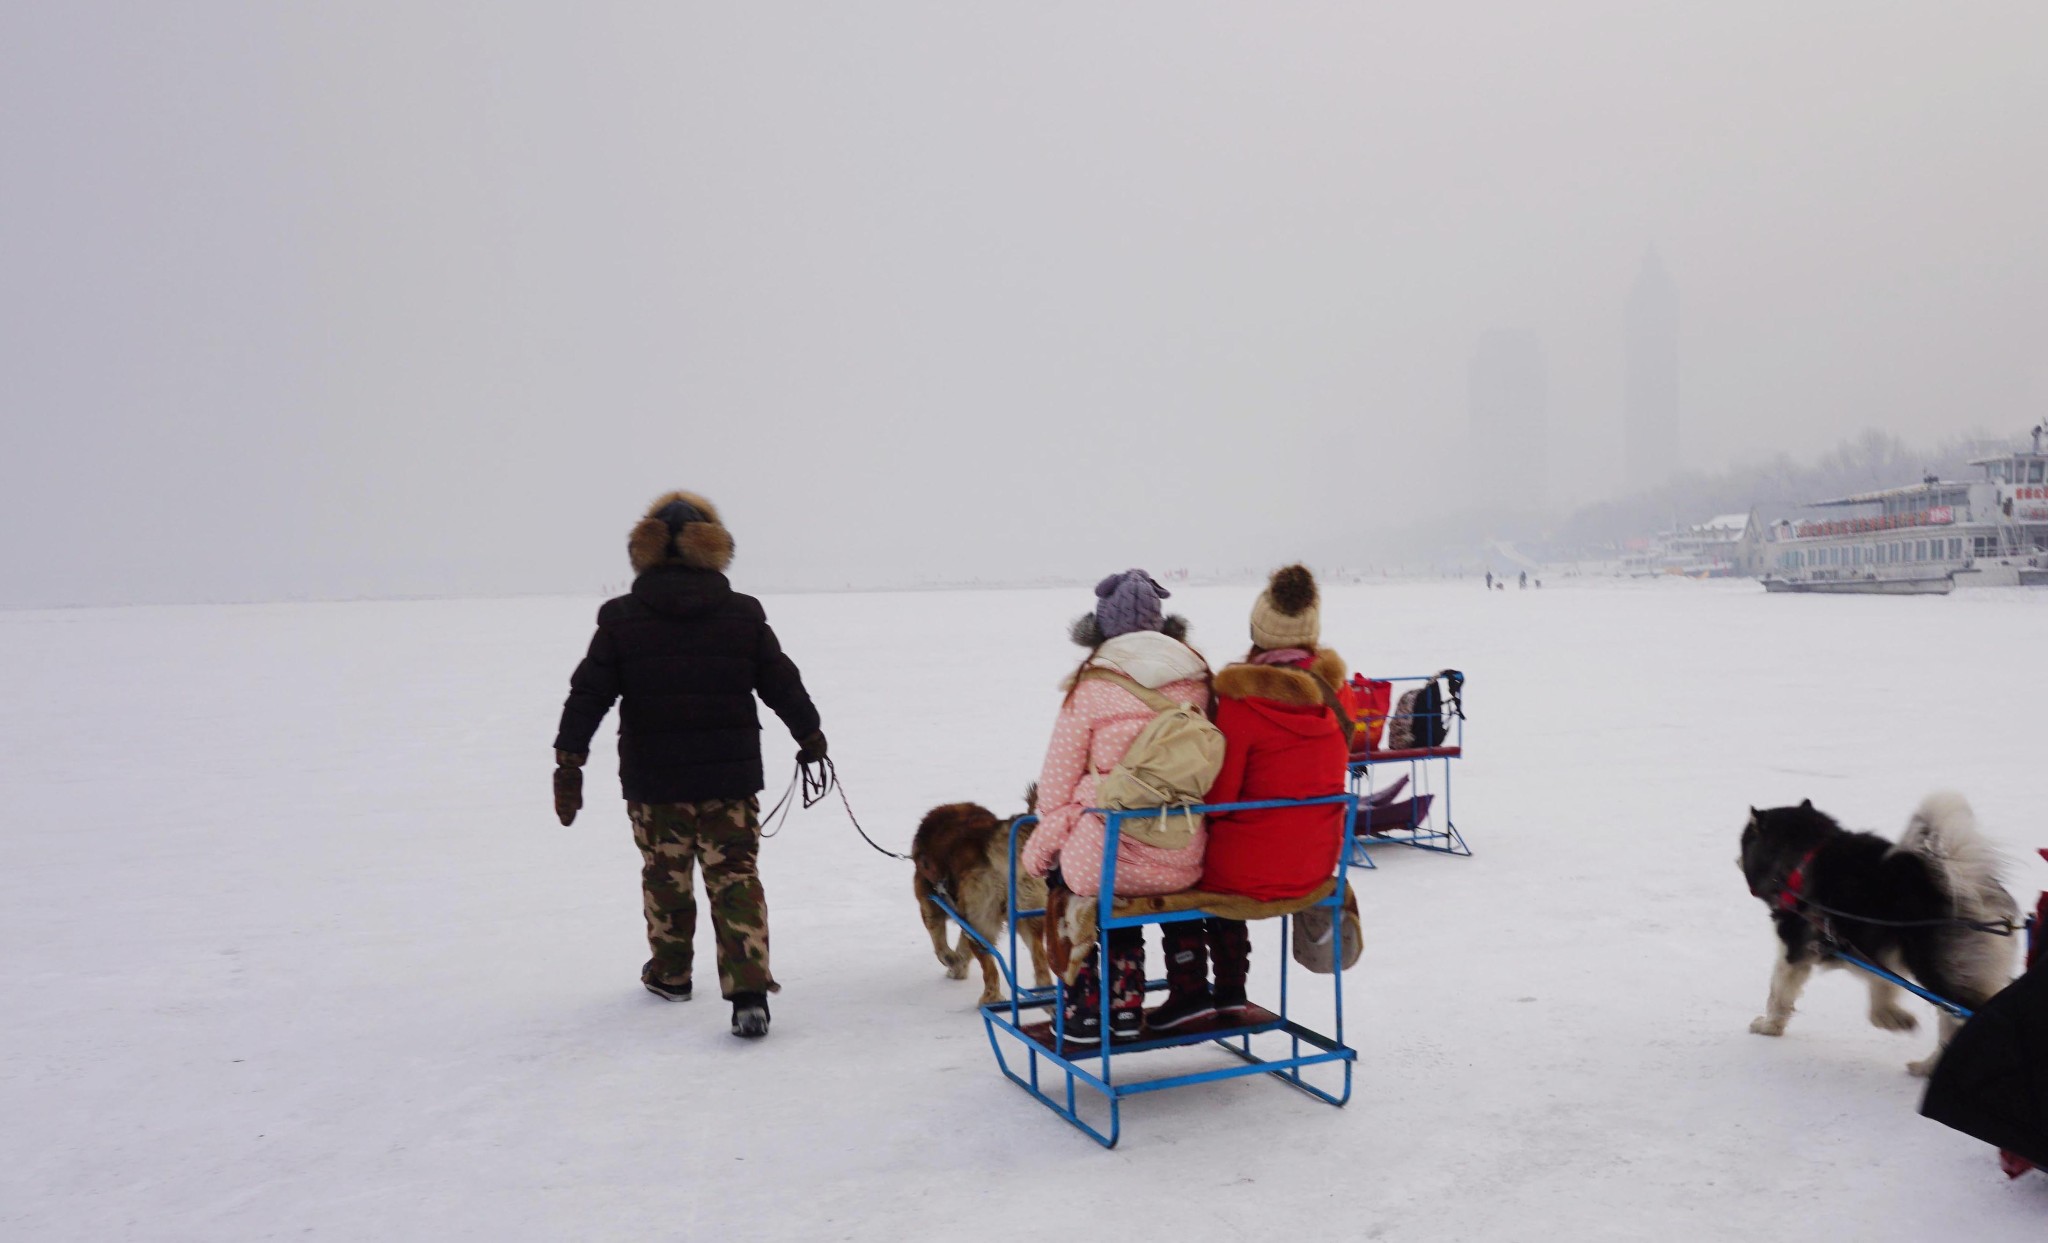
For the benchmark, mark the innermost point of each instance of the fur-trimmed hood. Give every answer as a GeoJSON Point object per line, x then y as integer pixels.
{"type": "Point", "coordinates": [1280, 683]}
{"type": "Point", "coordinates": [681, 528]}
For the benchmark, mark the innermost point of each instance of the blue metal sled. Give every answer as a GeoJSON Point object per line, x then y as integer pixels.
{"type": "Point", "coordinates": [1413, 822]}
{"type": "Point", "coordinates": [1264, 1042]}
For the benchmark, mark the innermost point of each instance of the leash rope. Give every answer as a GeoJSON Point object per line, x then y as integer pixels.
{"type": "Point", "coordinates": [1792, 897]}
{"type": "Point", "coordinates": [825, 782]}
{"type": "Point", "coordinates": [1999, 928]}
{"type": "Point", "coordinates": [770, 825]}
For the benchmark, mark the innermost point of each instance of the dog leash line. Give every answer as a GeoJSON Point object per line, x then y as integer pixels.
{"type": "Point", "coordinates": [827, 781]}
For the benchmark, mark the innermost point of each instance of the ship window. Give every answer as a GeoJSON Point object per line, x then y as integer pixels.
{"type": "Point", "coordinates": [1955, 548]}
{"type": "Point", "coordinates": [2034, 471]}
{"type": "Point", "coordinates": [1920, 551]}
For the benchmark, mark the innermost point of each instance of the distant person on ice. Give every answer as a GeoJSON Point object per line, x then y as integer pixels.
{"type": "Point", "coordinates": [685, 654]}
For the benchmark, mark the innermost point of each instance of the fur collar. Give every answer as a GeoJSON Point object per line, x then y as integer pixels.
{"type": "Point", "coordinates": [1149, 658]}
{"type": "Point", "coordinates": [1280, 683]}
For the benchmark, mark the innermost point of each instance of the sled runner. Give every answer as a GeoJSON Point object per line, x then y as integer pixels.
{"type": "Point", "coordinates": [1029, 1026]}
{"type": "Point", "coordinates": [1420, 735]}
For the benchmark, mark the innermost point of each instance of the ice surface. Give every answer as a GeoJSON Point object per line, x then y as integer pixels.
{"type": "Point", "coordinates": [291, 942]}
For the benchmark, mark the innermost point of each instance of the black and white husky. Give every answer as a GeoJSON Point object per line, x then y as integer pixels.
{"type": "Point", "coordinates": [1818, 878]}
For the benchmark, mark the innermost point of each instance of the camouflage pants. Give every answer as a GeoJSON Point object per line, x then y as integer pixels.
{"type": "Point", "coordinates": [725, 834]}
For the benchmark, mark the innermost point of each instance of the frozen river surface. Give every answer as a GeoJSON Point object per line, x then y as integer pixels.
{"type": "Point", "coordinates": [293, 945]}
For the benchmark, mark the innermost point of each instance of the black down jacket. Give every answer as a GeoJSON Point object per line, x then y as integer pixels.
{"type": "Point", "coordinates": [1992, 1080]}
{"type": "Point", "coordinates": [684, 654]}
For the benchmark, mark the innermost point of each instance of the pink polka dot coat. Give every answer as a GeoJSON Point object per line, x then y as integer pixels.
{"type": "Point", "coordinates": [1094, 730]}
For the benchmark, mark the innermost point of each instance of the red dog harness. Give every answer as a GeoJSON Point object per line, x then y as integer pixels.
{"type": "Point", "coordinates": [1793, 895]}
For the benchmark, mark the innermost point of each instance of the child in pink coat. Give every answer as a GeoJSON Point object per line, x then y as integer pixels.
{"type": "Point", "coordinates": [1126, 634]}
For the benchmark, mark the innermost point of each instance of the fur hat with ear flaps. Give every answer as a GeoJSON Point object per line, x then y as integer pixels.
{"type": "Point", "coordinates": [681, 528]}
{"type": "Point", "coordinates": [1288, 613]}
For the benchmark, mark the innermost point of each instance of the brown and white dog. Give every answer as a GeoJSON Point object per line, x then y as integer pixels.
{"type": "Point", "coordinates": [962, 851]}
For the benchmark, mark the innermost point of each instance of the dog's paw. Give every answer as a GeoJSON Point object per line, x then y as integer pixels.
{"type": "Point", "coordinates": [1893, 1019]}
{"type": "Point", "coordinates": [1924, 1067]}
{"type": "Point", "coordinates": [990, 996]}
{"type": "Point", "coordinates": [1765, 1025]}
{"type": "Point", "coordinates": [956, 965]}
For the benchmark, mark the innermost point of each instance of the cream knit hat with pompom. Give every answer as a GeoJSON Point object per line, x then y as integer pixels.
{"type": "Point", "coordinates": [1288, 613]}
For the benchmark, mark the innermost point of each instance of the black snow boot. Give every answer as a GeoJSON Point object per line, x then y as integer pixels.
{"type": "Point", "coordinates": [750, 1015]}
{"type": "Point", "coordinates": [662, 988]}
{"type": "Point", "coordinates": [1187, 979]}
{"type": "Point", "coordinates": [1083, 1027]}
{"type": "Point", "coordinates": [1082, 1019]}
{"type": "Point", "coordinates": [1230, 945]}
{"type": "Point", "coordinates": [1126, 983]}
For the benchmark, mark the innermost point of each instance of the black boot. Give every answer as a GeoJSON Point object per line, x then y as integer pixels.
{"type": "Point", "coordinates": [1230, 944]}
{"type": "Point", "coordinates": [750, 1015]}
{"type": "Point", "coordinates": [1187, 979]}
{"type": "Point", "coordinates": [1126, 983]}
{"type": "Point", "coordinates": [662, 988]}
{"type": "Point", "coordinates": [1081, 1021]}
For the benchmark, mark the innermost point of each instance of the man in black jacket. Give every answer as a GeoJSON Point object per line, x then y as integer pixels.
{"type": "Point", "coordinates": [685, 654]}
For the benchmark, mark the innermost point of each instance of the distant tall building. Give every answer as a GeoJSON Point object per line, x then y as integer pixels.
{"type": "Point", "coordinates": [1650, 392]}
{"type": "Point", "coordinates": [1509, 392]}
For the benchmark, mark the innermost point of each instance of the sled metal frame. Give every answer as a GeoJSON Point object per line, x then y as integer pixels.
{"type": "Point", "coordinates": [1419, 833]}
{"type": "Point", "coordinates": [1059, 1083]}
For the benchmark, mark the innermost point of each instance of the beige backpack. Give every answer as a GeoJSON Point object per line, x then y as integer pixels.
{"type": "Point", "coordinates": [1171, 763]}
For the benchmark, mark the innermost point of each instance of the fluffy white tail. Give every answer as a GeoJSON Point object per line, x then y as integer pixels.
{"type": "Point", "coordinates": [1944, 832]}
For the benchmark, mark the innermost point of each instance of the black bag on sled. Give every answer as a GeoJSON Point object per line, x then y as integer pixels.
{"type": "Point", "coordinates": [1421, 719]}
{"type": "Point", "coordinates": [1992, 1080]}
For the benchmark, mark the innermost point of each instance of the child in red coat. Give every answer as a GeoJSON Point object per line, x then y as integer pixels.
{"type": "Point", "coordinates": [1283, 741]}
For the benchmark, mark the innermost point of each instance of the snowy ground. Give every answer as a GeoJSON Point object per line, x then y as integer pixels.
{"type": "Point", "coordinates": [293, 945]}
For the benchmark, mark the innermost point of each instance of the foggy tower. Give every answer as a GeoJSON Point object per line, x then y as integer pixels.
{"type": "Point", "coordinates": [1650, 393]}
{"type": "Point", "coordinates": [1509, 394]}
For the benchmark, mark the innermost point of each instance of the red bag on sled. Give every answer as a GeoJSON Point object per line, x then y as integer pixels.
{"type": "Point", "coordinates": [1370, 703]}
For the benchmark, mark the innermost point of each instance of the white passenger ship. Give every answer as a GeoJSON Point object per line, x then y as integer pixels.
{"type": "Point", "coordinates": [1924, 539]}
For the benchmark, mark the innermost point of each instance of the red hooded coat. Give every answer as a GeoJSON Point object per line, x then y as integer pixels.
{"type": "Point", "coordinates": [1281, 742]}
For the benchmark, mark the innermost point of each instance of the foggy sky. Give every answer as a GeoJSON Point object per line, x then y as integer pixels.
{"type": "Point", "coordinates": [432, 298]}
